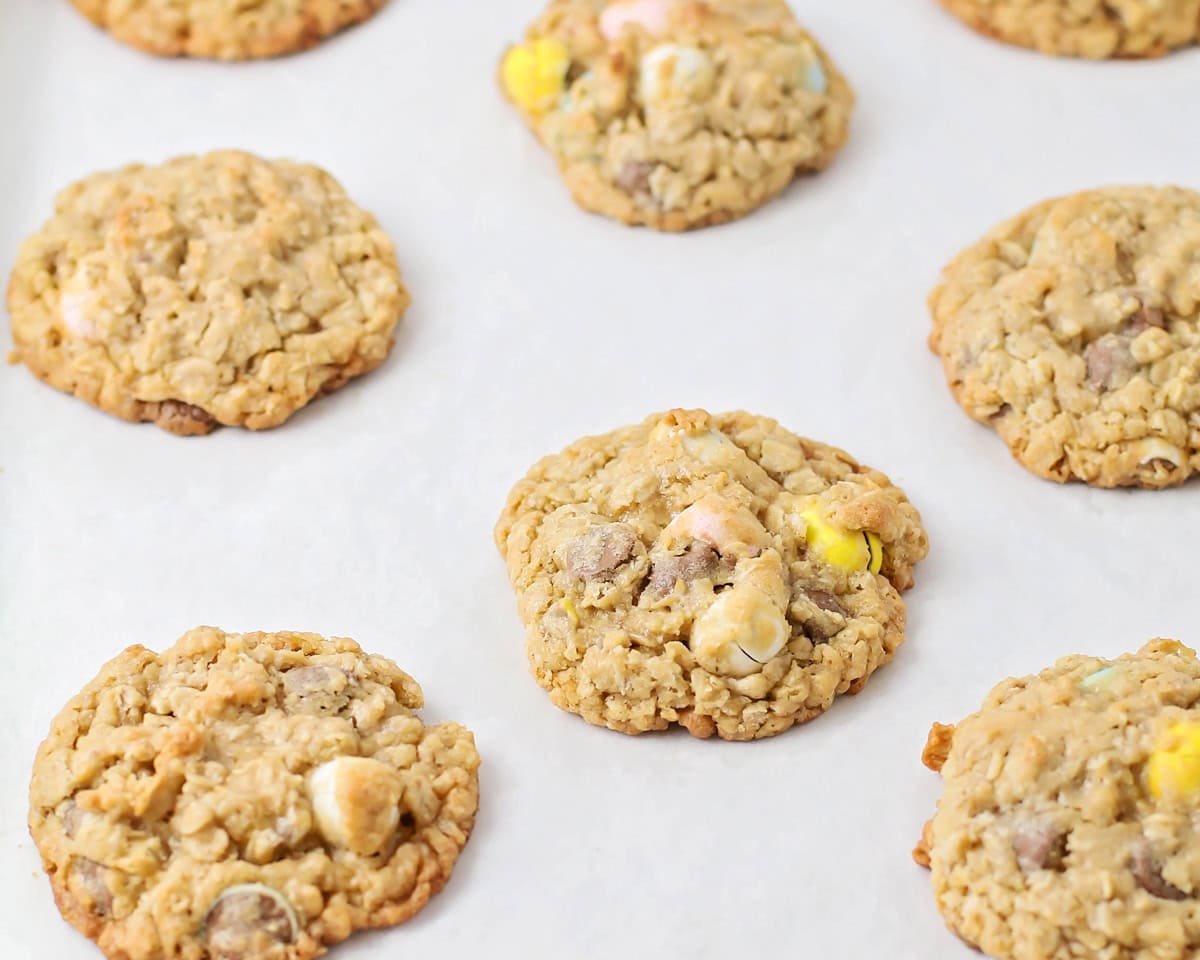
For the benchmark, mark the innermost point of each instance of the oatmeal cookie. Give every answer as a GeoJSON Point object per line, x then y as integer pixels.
{"type": "Point", "coordinates": [221, 289]}
{"type": "Point", "coordinates": [248, 795]}
{"type": "Point", "coordinates": [677, 113]}
{"type": "Point", "coordinates": [717, 572]}
{"type": "Point", "coordinates": [1067, 827]}
{"type": "Point", "coordinates": [225, 29]}
{"type": "Point", "coordinates": [1074, 330]}
{"type": "Point", "coordinates": [1086, 28]}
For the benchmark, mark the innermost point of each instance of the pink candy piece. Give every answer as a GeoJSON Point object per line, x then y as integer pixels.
{"type": "Point", "coordinates": [74, 315]}
{"type": "Point", "coordinates": [651, 14]}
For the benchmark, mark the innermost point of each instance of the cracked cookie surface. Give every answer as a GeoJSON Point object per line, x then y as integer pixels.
{"type": "Point", "coordinates": [1074, 330]}
{"type": "Point", "coordinates": [248, 795]}
{"type": "Point", "coordinates": [675, 113]}
{"type": "Point", "coordinates": [1067, 825]}
{"type": "Point", "coordinates": [714, 571]}
{"type": "Point", "coordinates": [220, 289]}
{"type": "Point", "coordinates": [1095, 29]}
{"type": "Point", "coordinates": [225, 29]}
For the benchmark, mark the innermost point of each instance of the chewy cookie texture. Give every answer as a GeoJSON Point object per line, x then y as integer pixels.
{"type": "Point", "coordinates": [1096, 29]}
{"type": "Point", "coordinates": [219, 289]}
{"type": "Point", "coordinates": [225, 29]}
{"type": "Point", "coordinates": [248, 797]}
{"type": "Point", "coordinates": [677, 113]}
{"type": "Point", "coordinates": [712, 571]}
{"type": "Point", "coordinates": [1067, 825]}
{"type": "Point", "coordinates": [1074, 330]}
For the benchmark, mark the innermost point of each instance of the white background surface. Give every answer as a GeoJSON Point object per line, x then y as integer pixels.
{"type": "Point", "coordinates": [370, 513]}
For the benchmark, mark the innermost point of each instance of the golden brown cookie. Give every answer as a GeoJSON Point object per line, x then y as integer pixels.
{"type": "Point", "coordinates": [248, 796]}
{"type": "Point", "coordinates": [221, 289]}
{"type": "Point", "coordinates": [1068, 824]}
{"type": "Point", "coordinates": [1095, 29]}
{"type": "Point", "coordinates": [225, 29]}
{"type": "Point", "coordinates": [714, 571]}
{"type": "Point", "coordinates": [1074, 330]}
{"type": "Point", "coordinates": [677, 113]}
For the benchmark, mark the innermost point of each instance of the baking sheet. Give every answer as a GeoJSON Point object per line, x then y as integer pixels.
{"type": "Point", "coordinates": [370, 513]}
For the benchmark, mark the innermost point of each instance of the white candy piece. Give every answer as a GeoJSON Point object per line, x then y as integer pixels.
{"type": "Point", "coordinates": [356, 801]}
{"type": "Point", "coordinates": [1155, 448]}
{"type": "Point", "coordinates": [739, 633]}
{"type": "Point", "coordinates": [673, 70]}
{"type": "Point", "coordinates": [711, 446]}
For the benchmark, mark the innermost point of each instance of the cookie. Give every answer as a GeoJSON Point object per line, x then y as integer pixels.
{"type": "Point", "coordinates": [676, 113]}
{"type": "Point", "coordinates": [225, 29]}
{"type": "Point", "coordinates": [711, 571]}
{"type": "Point", "coordinates": [1085, 28]}
{"type": "Point", "coordinates": [221, 289]}
{"type": "Point", "coordinates": [1067, 827]}
{"type": "Point", "coordinates": [1074, 330]}
{"type": "Point", "coordinates": [248, 795]}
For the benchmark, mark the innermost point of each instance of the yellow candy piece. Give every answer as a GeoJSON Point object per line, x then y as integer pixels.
{"type": "Point", "coordinates": [1174, 768]}
{"type": "Point", "coordinates": [534, 73]}
{"type": "Point", "coordinates": [875, 564]}
{"type": "Point", "coordinates": [850, 550]}
{"type": "Point", "coordinates": [569, 606]}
